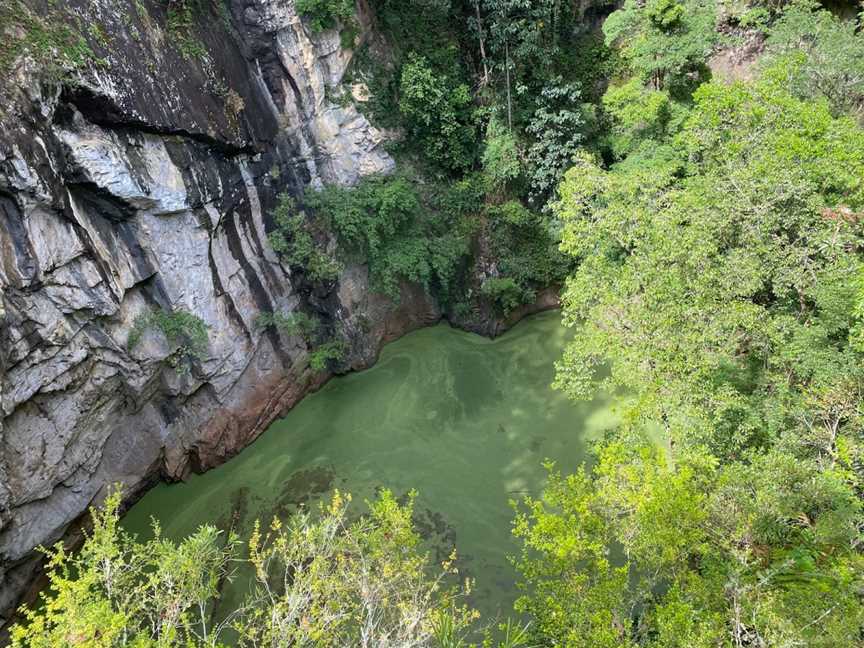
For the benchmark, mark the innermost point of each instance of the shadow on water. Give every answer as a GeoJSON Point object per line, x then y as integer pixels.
{"type": "Point", "coordinates": [464, 420]}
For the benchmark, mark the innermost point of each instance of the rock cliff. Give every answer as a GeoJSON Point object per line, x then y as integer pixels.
{"type": "Point", "coordinates": [139, 176]}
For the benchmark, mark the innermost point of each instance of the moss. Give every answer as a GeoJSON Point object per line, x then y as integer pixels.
{"type": "Point", "coordinates": [180, 24]}
{"type": "Point", "coordinates": [54, 42]}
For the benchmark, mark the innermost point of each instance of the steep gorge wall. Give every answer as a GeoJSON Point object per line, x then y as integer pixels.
{"type": "Point", "coordinates": [142, 182]}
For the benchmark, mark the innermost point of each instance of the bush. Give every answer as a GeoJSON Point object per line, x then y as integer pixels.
{"type": "Point", "coordinates": [505, 293]}
{"type": "Point", "coordinates": [324, 14]}
{"type": "Point", "coordinates": [438, 113]}
{"type": "Point", "coordinates": [320, 579]}
{"type": "Point", "coordinates": [294, 324]}
{"type": "Point", "coordinates": [525, 249]}
{"type": "Point", "coordinates": [322, 356]}
{"type": "Point", "coordinates": [181, 329]}
{"type": "Point", "coordinates": [294, 240]}
{"type": "Point", "coordinates": [117, 592]}
{"type": "Point", "coordinates": [555, 127]}
{"type": "Point", "coordinates": [501, 163]}
{"type": "Point", "coordinates": [825, 53]}
{"type": "Point", "coordinates": [385, 222]}
{"type": "Point", "coordinates": [664, 41]}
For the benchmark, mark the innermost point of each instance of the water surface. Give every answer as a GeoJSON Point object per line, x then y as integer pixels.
{"type": "Point", "coordinates": [464, 420]}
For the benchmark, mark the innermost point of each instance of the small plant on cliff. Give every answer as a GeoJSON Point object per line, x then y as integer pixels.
{"type": "Point", "coordinates": [299, 324]}
{"type": "Point", "coordinates": [334, 350]}
{"type": "Point", "coordinates": [181, 25]}
{"type": "Point", "coordinates": [325, 14]}
{"type": "Point", "coordinates": [183, 330]}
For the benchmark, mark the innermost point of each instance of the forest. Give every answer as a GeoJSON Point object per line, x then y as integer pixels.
{"type": "Point", "coordinates": [691, 173]}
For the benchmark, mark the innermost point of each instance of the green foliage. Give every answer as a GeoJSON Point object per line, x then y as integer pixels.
{"type": "Point", "coordinates": [527, 37]}
{"type": "Point", "coordinates": [323, 355]}
{"type": "Point", "coordinates": [505, 293]}
{"type": "Point", "coordinates": [664, 14]}
{"type": "Point", "coordinates": [186, 332]}
{"type": "Point", "coordinates": [718, 283]}
{"type": "Point", "coordinates": [117, 592]}
{"type": "Point", "coordinates": [664, 41]}
{"type": "Point", "coordinates": [825, 55]}
{"type": "Point", "coordinates": [401, 235]}
{"type": "Point", "coordinates": [501, 160]}
{"type": "Point", "coordinates": [707, 552]}
{"type": "Point", "coordinates": [556, 128]}
{"type": "Point", "coordinates": [525, 250]}
{"type": "Point", "coordinates": [714, 260]}
{"type": "Point", "coordinates": [294, 239]}
{"type": "Point", "coordinates": [347, 583]}
{"type": "Point", "coordinates": [324, 14]}
{"type": "Point", "coordinates": [294, 324]}
{"type": "Point", "coordinates": [640, 118]}
{"type": "Point", "coordinates": [322, 579]}
{"type": "Point", "coordinates": [438, 114]}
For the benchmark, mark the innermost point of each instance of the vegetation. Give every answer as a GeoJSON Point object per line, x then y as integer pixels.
{"type": "Point", "coordinates": [181, 27]}
{"type": "Point", "coordinates": [185, 332]}
{"type": "Point", "coordinates": [298, 323]}
{"type": "Point", "coordinates": [294, 240]}
{"type": "Point", "coordinates": [324, 14]}
{"type": "Point", "coordinates": [322, 580]}
{"type": "Point", "coordinates": [387, 223]}
{"type": "Point", "coordinates": [719, 257]}
{"type": "Point", "coordinates": [321, 356]}
{"type": "Point", "coordinates": [711, 232]}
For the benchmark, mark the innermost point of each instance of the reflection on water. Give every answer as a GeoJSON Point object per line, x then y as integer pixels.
{"type": "Point", "coordinates": [464, 420]}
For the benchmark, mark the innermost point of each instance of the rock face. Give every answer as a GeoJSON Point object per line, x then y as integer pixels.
{"type": "Point", "coordinates": [144, 182]}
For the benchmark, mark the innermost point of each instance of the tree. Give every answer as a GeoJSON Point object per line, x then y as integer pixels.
{"type": "Point", "coordinates": [719, 285]}
{"type": "Point", "coordinates": [666, 42]}
{"type": "Point", "coordinates": [709, 555]}
{"type": "Point", "coordinates": [828, 55]}
{"type": "Point", "coordinates": [331, 582]}
{"type": "Point", "coordinates": [724, 296]}
{"type": "Point", "coordinates": [556, 128]}
{"type": "Point", "coordinates": [324, 14]}
{"type": "Point", "coordinates": [319, 580]}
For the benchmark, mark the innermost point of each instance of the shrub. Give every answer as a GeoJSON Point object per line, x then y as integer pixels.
{"type": "Point", "coordinates": [295, 324]}
{"type": "Point", "coordinates": [324, 14]}
{"type": "Point", "coordinates": [664, 41]}
{"type": "Point", "coordinates": [525, 249]}
{"type": "Point", "coordinates": [501, 163]}
{"type": "Point", "coordinates": [181, 329]}
{"type": "Point", "coordinates": [117, 592]}
{"type": "Point", "coordinates": [556, 129]}
{"type": "Point", "coordinates": [438, 113]}
{"type": "Point", "coordinates": [320, 579]}
{"type": "Point", "coordinates": [385, 222]}
{"type": "Point", "coordinates": [332, 351]}
{"type": "Point", "coordinates": [505, 293]}
{"type": "Point", "coordinates": [294, 240]}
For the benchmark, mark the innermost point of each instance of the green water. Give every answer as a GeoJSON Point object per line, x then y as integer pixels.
{"type": "Point", "coordinates": [464, 420]}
